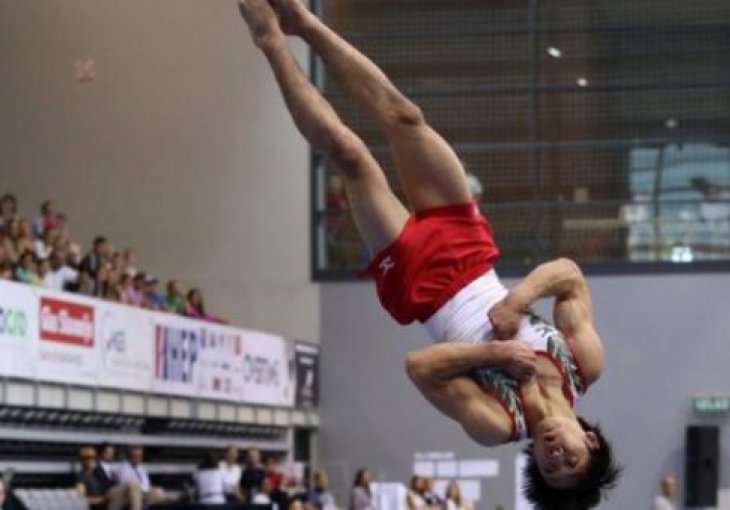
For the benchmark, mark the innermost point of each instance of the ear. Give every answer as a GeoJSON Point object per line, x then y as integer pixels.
{"type": "Point", "coordinates": [592, 440]}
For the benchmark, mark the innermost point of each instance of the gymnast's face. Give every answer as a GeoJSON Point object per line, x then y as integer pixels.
{"type": "Point", "coordinates": [562, 451]}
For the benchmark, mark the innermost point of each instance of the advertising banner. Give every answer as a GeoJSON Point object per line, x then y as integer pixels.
{"type": "Point", "coordinates": [268, 370]}
{"type": "Point", "coordinates": [306, 361]}
{"type": "Point", "coordinates": [66, 350]}
{"type": "Point", "coordinates": [220, 363]}
{"type": "Point", "coordinates": [18, 330]}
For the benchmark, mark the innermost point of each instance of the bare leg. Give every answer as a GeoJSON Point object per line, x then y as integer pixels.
{"type": "Point", "coordinates": [378, 213]}
{"type": "Point", "coordinates": [430, 171]}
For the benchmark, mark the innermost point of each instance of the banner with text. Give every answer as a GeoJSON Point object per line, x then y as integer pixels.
{"type": "Point", "coordinates": [65, 338]}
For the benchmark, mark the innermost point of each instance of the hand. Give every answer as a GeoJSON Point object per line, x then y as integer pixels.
{"type": "Point", "coordinates": [261, 20]}
{"type": "Point", "coordinates": [293, 15]}
{"type": "Point", "coordinates": [517, 359]}
{"type": "Point", "coordinates": [505, 321]}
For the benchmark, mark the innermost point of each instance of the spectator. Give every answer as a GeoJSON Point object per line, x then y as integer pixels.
{"type": "Point", "coordinates": [26, 269]}
{"type": "Point", "coordinates": [296, 504]}
{"type": "Point", "coordinates": [128, 260]}
{"type": "Point", "coordinates": [7, 248]}
{"type": "Point", "coordinates": [231, 475]}
{"type": "Point", "coordinates": [175, 300]}
{"type": "Point", "coordinates": [85, 284]}
{"type": "Point", "coordinates": [99, 494]}
{"type": "Point", "coordinates": [320, 498]}
{"type": "Point", "coordinates": [665, 500]}
{"type": "Point", "coordinates": [6, 270]}
{"type": "Point", "coordinates": [132, 471]}
{"type": "Point", "coordinates": [361, 498]}
{"type": "Point", "coordinates": [135, 292]}
{"type": "Point", "coordinates": [2, 494]}
{"type": "Point", "coordinates": [47, 220]}
{"type": "Point", "coordinates": [454, 501]}
{"type": "Point", "coordinates": [20, 235]}
{"type": "Point", "coordinates": [209, 482]}
{"type": "Point", "coordinates": [43, 271]}
{"type": "Point", "coordinates": [253, 475]}
{"type": "Point", "coordinates": [107, 463]}
{"type": "Point", "coordinates": [93, 261]}
{"type": "Point", "coordinates": [8, 210]}
{"type": "Point", "coordinates": [273, 473]}
{"type": "Point", "coordinates": [43, 246]}
{"type": "Point", "coordinates": [73, 254]}
{"type": "Point", "coordinates": [416, 489]}
{"type": "Point", "coordinates": [268, 495]}
{"type": "Point", "coordinates": [432, 499]}
{"type": "Point", "coordinates": [152, 297]}
{"type": "Point", "coordinates": [194, 306]}
{"type": "Point", "coordinates": [63, 229]}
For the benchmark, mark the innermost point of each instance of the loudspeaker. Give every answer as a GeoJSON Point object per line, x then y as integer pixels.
{"type": "Point", "coordinates": [701, 469]}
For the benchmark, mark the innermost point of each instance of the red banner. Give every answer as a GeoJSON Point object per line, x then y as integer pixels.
{"type": "Point", "coordinates": [66, 322]}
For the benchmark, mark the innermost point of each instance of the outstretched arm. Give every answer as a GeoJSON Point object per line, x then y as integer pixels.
{"type": "Point", "coordinates": [441, 374]}
{"type": "Point", "coordinates": [563, 280]}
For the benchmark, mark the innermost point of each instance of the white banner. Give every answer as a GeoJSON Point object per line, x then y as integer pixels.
{"type": "Point", "coordinates": [220, 363]}
{"type": "Point", "coordinates": [268, 370]}
{"type": "Point", "coordinates": [125, 335]}
{"type": "Point", "coordinates": [66, 350]}
{"type": "Point", "coordinates": [18, 330]}
{"type": "Point", "coordinates": [66, 338]}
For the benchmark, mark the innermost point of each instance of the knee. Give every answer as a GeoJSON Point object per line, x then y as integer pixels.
{"type": "Point", "coordinates": [404, 112]}
{"type": "Point", "coordinates": [349, 153]}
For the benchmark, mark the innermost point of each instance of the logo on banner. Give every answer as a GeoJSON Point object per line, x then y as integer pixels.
{"type": "Point", "coordinates": [67, 323]}
{"type": "Point", "coordinates": [218, 358]}
{"type": "Point", "coordinates": [261, 371]}
{"type": "Point", "coordinates": [13, 322]}
{"type": "Point", "coordinates": [176, 353]}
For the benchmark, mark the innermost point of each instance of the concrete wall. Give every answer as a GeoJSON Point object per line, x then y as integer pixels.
{"type": "Point", "coordinates": [182, 148]}
{"type": "Point", "coordinates": [666, 339]}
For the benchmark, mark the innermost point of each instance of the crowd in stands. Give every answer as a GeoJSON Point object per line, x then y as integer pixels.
{"type": "Point", "coordinates": [107, 484]}
{"type": "Point", "coordinates": [42, 253]}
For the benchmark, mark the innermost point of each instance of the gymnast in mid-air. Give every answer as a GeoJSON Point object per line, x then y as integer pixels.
{"type": "Point", "coordinates": [501, 371]}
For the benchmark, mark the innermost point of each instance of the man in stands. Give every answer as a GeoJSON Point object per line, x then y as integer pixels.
{"type": "Point", "coordinates": [133, 471]}
{"type": "Point", "coordinates": [101, 493]}
{"type": "Point", "coordinates": [253, 475]}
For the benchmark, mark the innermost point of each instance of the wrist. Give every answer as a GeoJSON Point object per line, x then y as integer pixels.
{"type": "Point", "coordinates": [271, 41]}
{"type": "Point", "coordinates": [516, 300]}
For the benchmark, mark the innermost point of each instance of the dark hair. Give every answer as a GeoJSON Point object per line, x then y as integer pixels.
{"type": "Point", "coordinates": [99, 240]}
{"type": "Point", "coordinates": [601, 476]}
{"type": "Point", "coordinates": [360, 479]}
{"type": "Point", "coordinates": [200, 308]}
{"type": "Point", "coordinates": [209, 461]}
{"type": "Point", "coordinates": [104, 446]}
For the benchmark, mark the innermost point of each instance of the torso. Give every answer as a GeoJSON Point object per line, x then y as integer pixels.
{"type": "Point", "coordinates": [464, 319]}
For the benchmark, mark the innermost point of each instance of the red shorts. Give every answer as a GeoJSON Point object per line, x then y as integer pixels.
{"type": "Point", "coordinates": [439, 252]}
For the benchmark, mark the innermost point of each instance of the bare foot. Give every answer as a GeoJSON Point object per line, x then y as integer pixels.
{"type": "Point", "coordinates": [261, 19]}
{"type": "Point", "coordinates": [293, 15]}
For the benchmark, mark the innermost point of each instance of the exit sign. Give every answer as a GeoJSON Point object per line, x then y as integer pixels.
{"type": "Point", "coordinates": [711, 405]}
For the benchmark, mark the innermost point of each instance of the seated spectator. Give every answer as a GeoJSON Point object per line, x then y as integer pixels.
{"type": "Point", "coordinates": [135, 292]}
{"type": "Point", "coordinates": [432, 499]}
{"type": "Point", "coordinates": [85, 285]}
{"type": "Point", "coordinates": [320, 498]}
{"type": "Point", "coordinates": [415, 498]}
{"type": "Point", "coordinates": [2, 494]}
{"type": "Point", "coordinates": [454, 501]}
{"type": "Point", "coordinates": [128, 261]}
{"type": "Point", "coordinates": [92, 262]}
{"type": "Point", "coordinates": [8, 210]}
{"type": "Point", "coordinates": [209, 482]}
{"type": "Point", "coordinates": [132, 471]}
{"type": "Point", "coordinates": [195, 308]}
{"type": "Point", "coordinates": [60, 275]}
{"type": "Point", "coordinates": [43, 246]}
{"type": "Point", "coordinates": [98, 492]}
{"type": "Point", "coordinates": [47, 220]}
{"type": "Point", "coordinates": [7, 248]}
{"type": "Point", "coordinates": [153, 300]}
{"type": "Point", "coordinates": [107, 466]}
{"type": "Point", "coordinates": [175, 301]}
{"type": "Point", "coordinates": [26, 271]}
{"type": "Point", "coordinates": [361, 497]}
{"type": "Point", "coordinates": [43, 269]}
{"type": "Point", "coordinates": [7, 271]}
{"type": "Point", "coordinates": [273, 473]}
{"type": "Point", "coordinates": [253, 475]}
{"type": "Point", "coordinates": [19, 233]}
{"type": "Point", "coordinates": [73, 254]}
{"type": "Point", "coordinates": [231, 475]}
{"type": "Point", "coordinates": [268, 495]}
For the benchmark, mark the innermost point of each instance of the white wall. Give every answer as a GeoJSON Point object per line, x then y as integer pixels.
{"type": "Point", "coordinates": [182, 148]}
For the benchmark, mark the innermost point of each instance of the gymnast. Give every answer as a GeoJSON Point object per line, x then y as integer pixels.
{"type": "Point", "coordinates": [498, 369]}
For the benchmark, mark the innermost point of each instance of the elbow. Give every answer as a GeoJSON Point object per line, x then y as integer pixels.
{"type": "Point", "coordinates": [405, 113]}
{"type": "Point", "coordinates": [570, 268]}
{"type": "Point", "coordinates": [416, 369]}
